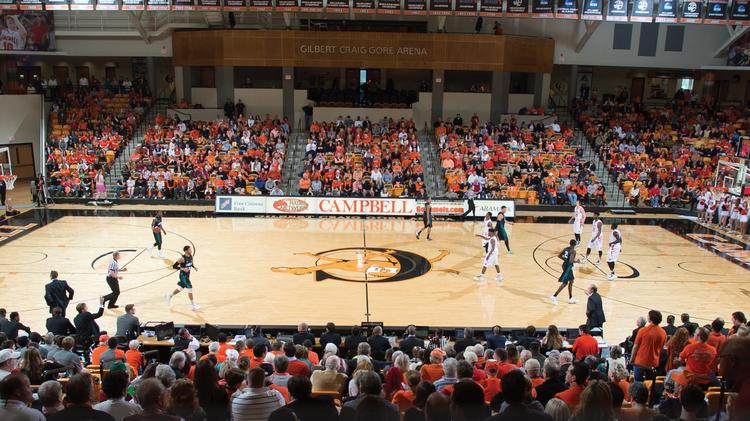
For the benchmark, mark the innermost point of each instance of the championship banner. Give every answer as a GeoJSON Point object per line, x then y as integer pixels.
{"type": "Point", "coordinates": [279, 205]}
{"type": "Point", "coordinates": [311, 6]}
{"type": "Point", "coordinates": [517, 8]}
{"type": "Point", "coordinates": [643, 11]}
{"type": "Point", "coordinates": [618, 10]}
{"type": "Point", "coordinates": [8, 5]}
{"type": "Point", "coordinates": [415, 7]}
{"type": "Point", "coordinates": [27, 31]}
{"type": "Point", "coordinates": [30, 5]}
{"type": "Point", "coordinates": [692, 11]}
{"type": "Point", "coordinates": [716, 12]}
{"type": "Point", "coordinates": [458, 207]}
{"type": "Point", "coordinates": [542, 9]}
{"type": "Point", "coordinates": [667, 11]}
{"type": "Point", "coordinates": [740, 12]}
{"type": "Point", "coordinates": [466, 8]}
{"type": "Point", "coordinates": [441, 7]}
{"type": "Point", "coordinates": [389, 7]}
{"type": "Point", "coordinates": [234, 5]}
{"type": "Point", "coordinates": [364, 6]}
{"type": "Point", "coordinates": [56, 4]}
{"type": "Point", "coordinates": [183, 4]}
{"type": "Point", "coordinates": [260, 5]}
{"type": "Point", "coordinates": [84, 5]}
{"type": "Point", "coordinates": [208, 5]}
{"type": "Point", "coordinates": [592, 10]}
{"type": "Point", "coordinates": [334, 6]}
{"type": "Point", "coordinates": [131, 5]}
{"type": "Point", "coordinates": [567, 9]}
{"type": "Point", "coordinates": [283, 6]}
{"type": "Point", "coordinates": [157, 5]}
{"type": "Point", "coordinates": [490, 8]}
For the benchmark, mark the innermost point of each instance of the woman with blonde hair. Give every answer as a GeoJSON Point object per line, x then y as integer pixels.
{"type": "Point", "coordinates": [595, 404]}
{"type": "Point", "coordinates": [395, 378]}
{"type": "Point", "coordinates": [553, 339]}
{"type": "Point", "coordinates": [557, 409]}
{"type": "Point", "coordinates": [363, 365]}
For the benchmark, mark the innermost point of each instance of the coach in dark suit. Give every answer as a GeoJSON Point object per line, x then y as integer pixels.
{"type": "Point", "coordinates": [411, 341]}
{"type": "Point", "coordinates": [85, 322]}
{"type": "Point", "coordinates": [58, 324]}
{"type": "Point", "coordinates": [128, 325]}
{"type": "Point", "coordinates": [594, 308]}
{"type": "Point", "coordinates": [57, 293]}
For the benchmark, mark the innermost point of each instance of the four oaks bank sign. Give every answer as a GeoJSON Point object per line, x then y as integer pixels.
{"type": "Point", "coordinates": [378, 50]}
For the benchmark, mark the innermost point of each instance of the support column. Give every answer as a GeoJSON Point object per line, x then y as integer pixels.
{"type": "Point", "coordinates": [541, 89]}
{"type": "Point", "coordinates": [183, 82]}
{"type": "Point", "coordinates": [342, 79]}
{"type": "Point", "coordinates": [572, 82]}
{"type": "Point", "coordinates": [287, 85]}
{"type": "Point", "coordinates": [438, 87]}
{"type": "Point", "coordinates": [499, 98]}
{"type": "Point", "coordinates": [224, 84]}
{"type": "Point", "coordinates": [151, 76]}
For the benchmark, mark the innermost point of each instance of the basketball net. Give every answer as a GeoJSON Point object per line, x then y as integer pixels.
{"type": "Point", "coordinates": [10, 181]}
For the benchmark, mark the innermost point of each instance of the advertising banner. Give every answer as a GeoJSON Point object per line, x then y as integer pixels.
{"type": "Point", "coordinates": [315, 205]}
{"type": "Point", "coordinates": [183, 5]}
{"type": "Point", "coordinates": [716, 12]}
{"type": "Point", "coordinates": [567, 9]}
{"type": "Point", "coordinates": [132, 5]}
{"type": "Point", "coordinates": [157, 5]}
{"type": "Point", "coordinates": [56, 4]}
{"type": "Point", "coordinates": [415, 7]}
{"type": "Point", "coordinates": [592, 10]}
{"type": "Point", "coordinates": [491, 8]}
{"type": "Point", "coordinates": [209, 5]}
{"type": "Point", "coordinates": [667, 11]}
{"type": "Point", "coordinates": [30, 5]}
{"type": "Point", "coordinates": [27, 31]}
{"type": "Point", "coordinates": [692, 11]}
{"type": "Point", "coordinates": [364, 6]}
{"type": "Point", "coordinates": [441, 7]}
{"type": "Point", "coordinates": [86, 5]}
{"type": "Point", "coordinates": [8, 5]}
{"type": "Point", "coordinates": [618, 10]}
{"type": "Point", "coordinates": [466, 7]}
{"type": "Point", "coordinates": [542, 8]}
{"type": "Point", "coordinates": [387, 7]}
{"type": "Point", "coordinates": [643, 11]}
{"type": "Point", "coordinates": [458, 207]}
{"type": "Point", "coordinates": [285, 6]}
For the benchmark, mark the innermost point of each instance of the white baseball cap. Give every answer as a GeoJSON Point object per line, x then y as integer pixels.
{"type": "Point", "coordinates": [7, 354]}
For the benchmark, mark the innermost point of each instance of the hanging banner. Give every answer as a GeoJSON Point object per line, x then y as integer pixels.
{"type": "Point", "coordinates": [208, 5]}
{"type": "Point", "coordinates": [100, 4]}
{"type": "Point", "coordinates": [415, 7]}
{"type": "Point", "coordinates": [490, 8]}
{"type": "Point", "coordinates": [692, 11]}
{"type": "Point", "coordinates": [592, 10]}
{"type": "Point", "coordinates": [739, 14]}
{"type": "Point", "coordinates": [234, 5]}
{"type": "Point", "coordinates": [286, 6]}
{"type": "Point", "coordinates": [183, 5]}
{"type": "Point", "coordinates": [8, 5]}
{"type": "Point", "coordinates": [643, 11]}
{"type": "Point", "coordinates": [311, 6]}
{"type": "Point", "coordinates": [618, 10]}
{"type": "Point", "coordinates": [389, 7]}
{"type": "Point", "coordinates": [83, 5]}
{"type": "Point", "coordinates": [132, 5]}
{"type": "Point", "coordinates": [517, 8]}
{"type": "Point", "coordinates": [542, 9]}
{"type": "Point", "coordinates": [567, 9]}
{"type": "Point", "coordinates": [260, 5]}
{"type": "Point", "coordinates": [716, 12]}
{"type": "Point", "coordinates": [30, 5]}
{"type": "Point", "coordinates": [364, 6]}
{"type": "Point", "coordinates": [56, 4]}
{"type": "Point", "coordinates": [466, 8]}
{"type": "Point", "coordinates": [337, 6]}
{"type": "Point", "coordinates": [441, 7]}
{"type": "Point", "coordinates": [667, 11]}
{"type": "Point", "coordinates": [157, 5]}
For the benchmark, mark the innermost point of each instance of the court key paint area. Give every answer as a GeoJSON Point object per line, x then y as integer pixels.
{"type": "Point", "coordinates": [274, 271]}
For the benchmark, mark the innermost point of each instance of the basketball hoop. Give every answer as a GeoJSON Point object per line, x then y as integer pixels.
{"type": "Point", "coordinates": [10, 181]}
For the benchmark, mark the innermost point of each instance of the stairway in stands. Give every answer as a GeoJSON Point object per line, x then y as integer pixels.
{"type": "Point", "coordinates": [433, 177]}
{"type": "Point", "coordinates": [159, 107]}
{"type": "Point", "coordinates": [294, 163]}
{"type": "Point", "coordinates": [615, 195]}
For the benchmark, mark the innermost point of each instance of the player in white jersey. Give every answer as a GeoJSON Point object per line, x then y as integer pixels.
{"type": "Point", "coordinates": [615, 246]}
{"type": "Point", "coordinates": [578, 219]}
{"type": "Point", "coordinates": [490, 256]}
{"type": "Point", "coordinates": [597, 226]}
{"type": "Point", "coordinates": [486, 227]}
{"type": "Point", "coordinates": [13, 36]}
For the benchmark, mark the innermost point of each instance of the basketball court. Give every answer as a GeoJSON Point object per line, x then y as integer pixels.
{"type": "Point", "coordinates": [275, 271]}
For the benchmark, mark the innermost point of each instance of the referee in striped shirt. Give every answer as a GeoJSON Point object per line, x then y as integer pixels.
{"type": "Point", "coordinates": [113, 280]}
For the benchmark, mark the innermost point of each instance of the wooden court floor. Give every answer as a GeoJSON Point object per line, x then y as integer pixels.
{"type": "Point", "coordinates": [286, 270]}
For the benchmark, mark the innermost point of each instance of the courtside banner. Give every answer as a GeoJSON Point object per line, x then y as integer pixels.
{"type": "Point", "coordinates": [132, 5]}
{"type": "Point", "coordinates": [208, 5]}
{"type": "Point", "coordinates": [667, 11]}
{"type": "Point", "coordinates": [517, 8]}
{"type": "Point", "coordinates": [157, 5]}
{"type": "Point", "coordinates": [337, 6]}
{"type": "Point", "coordinates": [491, 8]}
{"type": "Point", "coordinates": [592, 10]}
{"type": "Point", "coordinates": [542, 8]}
{"type": "Point", "coordinates": [286, 6]}
{"type": "Point", "coordinates": [716, 12]}
{"type": "Point", "coordinates": [280, 205]}
{"type": "Point", "coordinates": [448, 207]}
{"type": "Point", "coordinates": [739, 13]}
{"type": "Point", "coordinates": [466, 8]}
{"type": "Point", "coordinates": [311, 6]}
{"type": "Point", "coordinates": [415, 7]}
{"type": "Point", "coordinates": [618, 10]}
{"type": "Point", "coordinates": [389, 7]}
{"type": "Point", "coordinates": [441, 7]}
{"type": "Point", "coordinates": [643, 11]}
{"type": "Point", "coordinates": [56, 4]}
{"type": "Point", "coordinates": [692, 11]}
{"type": "Point", "coordinates": [364, 6]}
{"type": "Point", "coordinates": [183, 4]}
{"type": "Point", "coordinates": [567, 9]}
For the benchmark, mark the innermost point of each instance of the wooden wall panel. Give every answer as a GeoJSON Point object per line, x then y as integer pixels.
{"type": "Point", "coordinates": [504, 53]}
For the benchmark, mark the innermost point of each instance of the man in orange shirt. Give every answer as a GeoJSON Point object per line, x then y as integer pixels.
{"type": "Point", "coordinates": [585, 344]}
{"type": "Point", "coordinates": [716, 338]}
{"type": "Point", "coordinates": [405, 398]}
{"type": "Point", "coordinates": [434, 370]}
{"type": "Point", "coordinates": [700, 358]}
{"type": "Point", "coordinates": [648, 345]}
{"type": "Point", "coordinates": [223, 346]}
{"type": "Point", "coordinates": [97, 352]}
{"type": "Point", "coordinates": [296, 367]}
{"type": "Point", "coordinates": [576, 378]}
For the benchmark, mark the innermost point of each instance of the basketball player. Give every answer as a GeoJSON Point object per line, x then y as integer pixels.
{"type": "Point", "coordinates": [157, 229]}
{"type": "Point", "coordinates": [13, 36]}
{"type": "Point", "coordinates": [185, 264]}
{"type": "Point", "coordinates": [615, 245]}
{"type": "Point", "coordinates": [578, 219]}
{"type": "Point", "coordinates": [490, 256]}
{"type": "Point", "coordinates": [502, 235]}
{"type": "Point", "coordinates": [113, 280]}
{"type": "Point", "coordinates": [426, 219]}
{"type": "Point", "coordinates": [596, 238]}
{"type": "Point", "coordinates": [486, 227]}
{"type": "Point", "coordinates": [568, 256]}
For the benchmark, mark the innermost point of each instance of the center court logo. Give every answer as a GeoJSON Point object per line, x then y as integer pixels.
{"type": "Point", "coordinates": [354, 264]}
